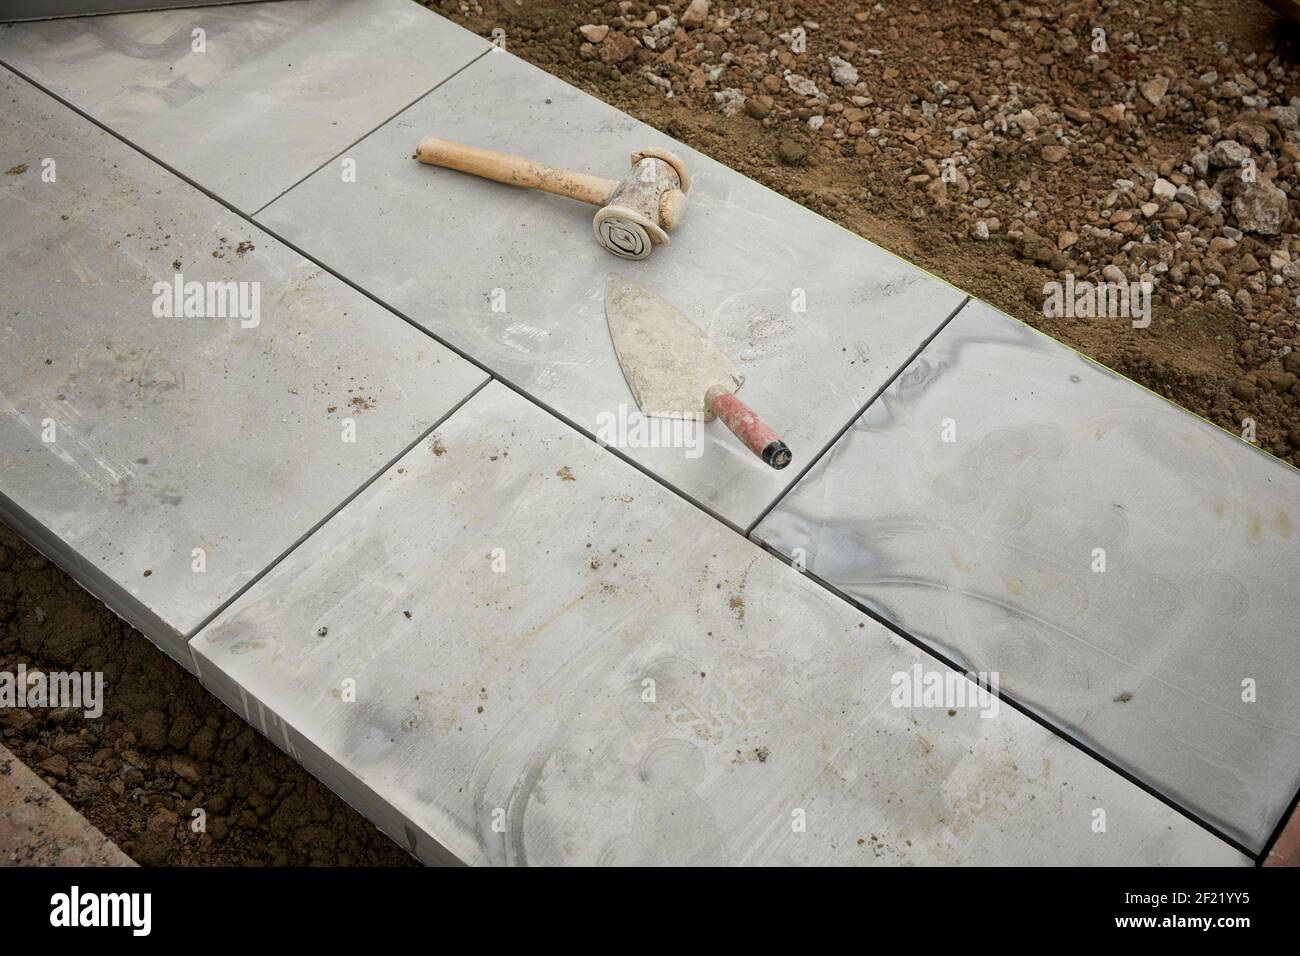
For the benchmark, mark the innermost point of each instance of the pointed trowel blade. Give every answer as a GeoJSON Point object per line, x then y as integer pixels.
{"type": "Point", "coordinates": [667, 361]}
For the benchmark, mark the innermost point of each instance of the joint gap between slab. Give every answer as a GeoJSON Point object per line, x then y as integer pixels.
{"type": "Point", "coordinates": [334, 511]}
{"type": "Point", "coordinates": [1015, 705]}
{"type": "Point", "coordinates": [748, 532]}
{"type": "Point", "coordinates": [369, 133]}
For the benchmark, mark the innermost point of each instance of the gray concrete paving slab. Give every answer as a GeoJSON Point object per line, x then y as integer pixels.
{"type": "Point", "coordinates": [1128, 569]}
{"type": "Point", "coordinates": [259, 96]}
{"type": "Point", "coordinates": [816, 318]}
{"type": "Point", "coordinates": [515, 648]}
{"type": "Point", "coordinates": [166, 459]}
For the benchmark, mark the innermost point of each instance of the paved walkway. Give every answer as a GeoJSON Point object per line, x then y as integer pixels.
{"type": "Point", "coordinates": [376, 509]}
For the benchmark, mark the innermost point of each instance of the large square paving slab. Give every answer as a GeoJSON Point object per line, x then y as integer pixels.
{"type": "Point", "coordinates": [166, 461]}
{"type": "Point", "coordinates": [515, 648]}
{"type": "Point", "coordinates": [816, 318]}
{"type": "Point", "coordinates": [1129, 570]}
{"type": "Point", "coordinates": [244, 99]}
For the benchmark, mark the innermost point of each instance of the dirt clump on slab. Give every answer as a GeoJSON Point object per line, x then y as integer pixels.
{"type": "Point", "coordinates": [1002, 146]}
{"type": "Point", "coordinates": [164, 745]}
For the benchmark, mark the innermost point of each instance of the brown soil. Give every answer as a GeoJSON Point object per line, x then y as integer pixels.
{"type": "Point", "coordinates": [1220, 326]}
{"type": "Point", "coordinates": [164, 745]}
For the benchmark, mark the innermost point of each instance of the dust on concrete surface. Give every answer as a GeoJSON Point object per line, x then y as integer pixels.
{"type": "Point", "coordinates": [164, 745]}
{"type": "Point", "coordinates": [928, 126]}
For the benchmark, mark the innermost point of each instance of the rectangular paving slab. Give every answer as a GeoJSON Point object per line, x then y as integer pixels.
{"type": "Point", "coordinates": [515, 648]}
{"type": "Point", "coordinates": [1128, 569]}
{"type": "Point", "coordinates": [164, 458]}
{"type": "Point", "coordinates": [816, 318]}
{"type": "Point", "coordinates": [247, 99]}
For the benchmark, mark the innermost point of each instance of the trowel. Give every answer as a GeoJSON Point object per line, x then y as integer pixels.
{"type": "Point", "coordinates": [675, 370]}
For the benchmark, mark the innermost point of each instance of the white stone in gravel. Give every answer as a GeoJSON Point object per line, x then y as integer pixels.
{"type": "Point", "coordinates": [1211, 200]}
{"type": "Point", "coordinates": [731, 101]}
{"type": "Point", "coordinates": [1027, 120]}
{"type": "Point", "coordinates": [801, 85]}
{"type": "Point", "coordinates": [1164, 189]}
{"type": "Point", "coordinates": [1287, 117]}
{"type": "Point", "coordinates": [1260, 207]}
{"type": "Point", "coordinates": [1228, 153]}
{"type": "Point", "coordinates": [1153, 91]}
{"type": "Point", "coordinates": [696, 14]}
{"type": "Point", "coordinates": [842, 71]}
{"type": "Point", "coordinates": [662, 82]}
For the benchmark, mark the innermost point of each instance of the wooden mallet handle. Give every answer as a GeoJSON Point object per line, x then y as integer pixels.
{"type": "Point", "coordinates": [515, 170]}
{"type": "Point", "coordinates": [757, 435]}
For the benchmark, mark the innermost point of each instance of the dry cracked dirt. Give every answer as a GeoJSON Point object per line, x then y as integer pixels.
{"type": "Point", "coordinates": [1000, 145]}
{"type": "Point", "coordinates": [163, 746]}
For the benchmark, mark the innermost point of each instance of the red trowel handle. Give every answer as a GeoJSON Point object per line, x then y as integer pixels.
{"type": "Point", "coordinates": [758, 436]}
